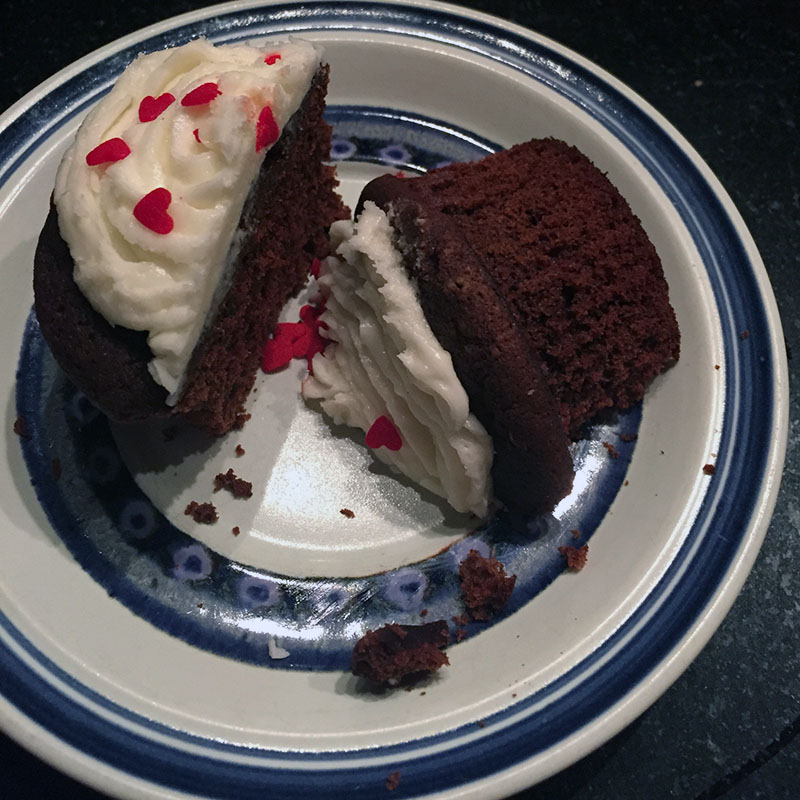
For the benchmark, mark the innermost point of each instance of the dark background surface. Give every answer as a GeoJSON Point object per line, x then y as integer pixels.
{"type": "Point", "coordinates": [727, 75]}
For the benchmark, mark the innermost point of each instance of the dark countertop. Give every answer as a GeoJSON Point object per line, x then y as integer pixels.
{"type": "Point", "coordinates": [727, 75]}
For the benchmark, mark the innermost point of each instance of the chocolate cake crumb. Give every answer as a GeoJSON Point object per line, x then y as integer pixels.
{"type": "Point", "coordinates": [55, 468]}
{"type": "Point", "coordinates": [235, 530]}
{"type": "Point", "coordinates": [576, 534]}
{"type": "Point", "coordinates": [629, 437]}
{"type": "Point", "coordinates": [240, 420]}
{"type": "Point", "coordinates": [203, 513]}
{"type": "Point", "coordinates": [709, 469]}
{"type": "Point", "coordinates": [393, 781]}
{"type": "Point", "coordinates": [576, 557]}
{"type": "Point", "coordinates": [744, 335]}
{"type": "Point", "coordinates": [716, 366]}
{"type": "Point", "coordinates": [480, 723]}
{"type": "Point", "coordinates": [169, 433]}
{"type": "Point", "coordinates": [21, 427]}
{"type": "Point", "coordinates": [461, 634]}
{"type": "Point", "coordinates": [240, 451]}
{"type": "Point", "coordinates": [424, 612]}
{"type": "Point", "coordinates": [612, 451]}
{"type": "Point", "coordinates": [235, 485]}
{"type": "Point", "coordinates": [485, 586]}
{"type": "Point", "coordinates": [461, 619]}
{"type": "Point", "coordinates": [401, 654]}
{"type": "Point", "coordinates": [346, 512]}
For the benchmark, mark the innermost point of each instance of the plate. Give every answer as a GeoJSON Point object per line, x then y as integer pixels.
{"type": "Point", "coordinates": [150, 657]}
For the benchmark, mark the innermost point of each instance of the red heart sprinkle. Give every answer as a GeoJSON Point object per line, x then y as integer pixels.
{"type": "Point", "coordinates": [201, 95]}
{"type": "Point", "coordinates": [196, 133]}
{"type": "Point", "coordinates": [298, 335]}
{"type": "Point", "coordinates": [272, 58]}
{"type": "Point", "coordinates": [383, 433]}
{"type": "Point", "coordinates": [314, 268]}
{"type": "Point", "coordinates": [153, 107]}
{"type": "Point", "coordinates": [151, 211]}
{"type": "Point", "coordinates": [302, 343]}
{"type": "Point", "coordinates": [107, 152]}
{"type": "Point", "coordinates": [267, 132]}
{"type": "Point", "coordinates": [277, 353]}
{"type": "Point", "coordinates": [310, 314]}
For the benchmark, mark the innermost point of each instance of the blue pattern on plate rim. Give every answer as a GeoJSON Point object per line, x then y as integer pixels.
{"type": "Point", "coordinates": [212, 602]}
{"type": "Point", "coordinates": [128, 742]}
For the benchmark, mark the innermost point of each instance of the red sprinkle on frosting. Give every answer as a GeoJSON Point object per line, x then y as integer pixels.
{"type": "Point", "coordinates": [196, 133]}
{"type": "Point", "coordinates": [266, 129]}
{"type": "Point", "coordinates": [310, 315]}
{"type": "Point", "coordinates": [153, 107]}
{"type": "Point", "coordinates": [272, 58]}
{"type": "Point", "coordinates": [151, 211]}
{"type": "Point", "coordinates": [314, 268]}
{"type": "Point", "coordinates": [107, 152]}
{"type": "Point", "coordinates": [202, 94]}
{"type": "Point", "coordinates": [382, 433]}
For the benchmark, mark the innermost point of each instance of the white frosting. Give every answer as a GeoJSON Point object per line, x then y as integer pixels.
{"type": "Point", "coordinates": [386, 361]}
{"type": "Point", "coordinates": [165, 283]}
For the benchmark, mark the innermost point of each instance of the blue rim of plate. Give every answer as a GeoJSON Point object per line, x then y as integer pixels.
{"type": "Point", "coordinates": [177, 760]}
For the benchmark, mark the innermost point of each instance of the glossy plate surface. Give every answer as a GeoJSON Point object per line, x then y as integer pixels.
{"type": "Point", "coordinates": [148, 655]}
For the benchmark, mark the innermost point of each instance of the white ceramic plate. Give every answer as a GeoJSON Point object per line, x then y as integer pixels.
{"type": "Point", "coordinates": [150, 658]}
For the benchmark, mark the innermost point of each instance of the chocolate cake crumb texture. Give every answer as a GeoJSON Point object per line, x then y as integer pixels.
{"type": "Point", "coordinates": [401, 654]}
{"type": "Point", "coordinates": [203, 513]}
{"type": "Point", "coordinates": [229, 481]}
{"type": "Point", "coordinates": [235, 530]}
{"type": "Point", "coordinates": [241, 418]}
{"type": "Point", "coordinates": [393, 781]}
{"type": "Point", "coordinates": [21, 427]}
{"type": "Point", "coordinates": [576, 557]}
{"type": "Point", "coordinates": [169, 433]}
{"type": "Point", "coordinates": [240, 451]}
{"type": "Point", "coordinates": [485, 587]}
{"type": "Point", "coordinates": [709, 469]}
{"type": "Point", "coordinates": [346, 512]}
{"type": "Point", "coordinates": [612, 451]}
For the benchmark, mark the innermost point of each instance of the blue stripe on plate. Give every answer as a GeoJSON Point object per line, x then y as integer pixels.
{"type": "Point", "coordinates": [669, 611]}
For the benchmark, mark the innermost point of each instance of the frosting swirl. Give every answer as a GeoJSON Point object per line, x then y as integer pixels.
{"type": "Point", "coordinates": [386, 362]}
{"type": "Point", "coordinates": [151, 230]}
